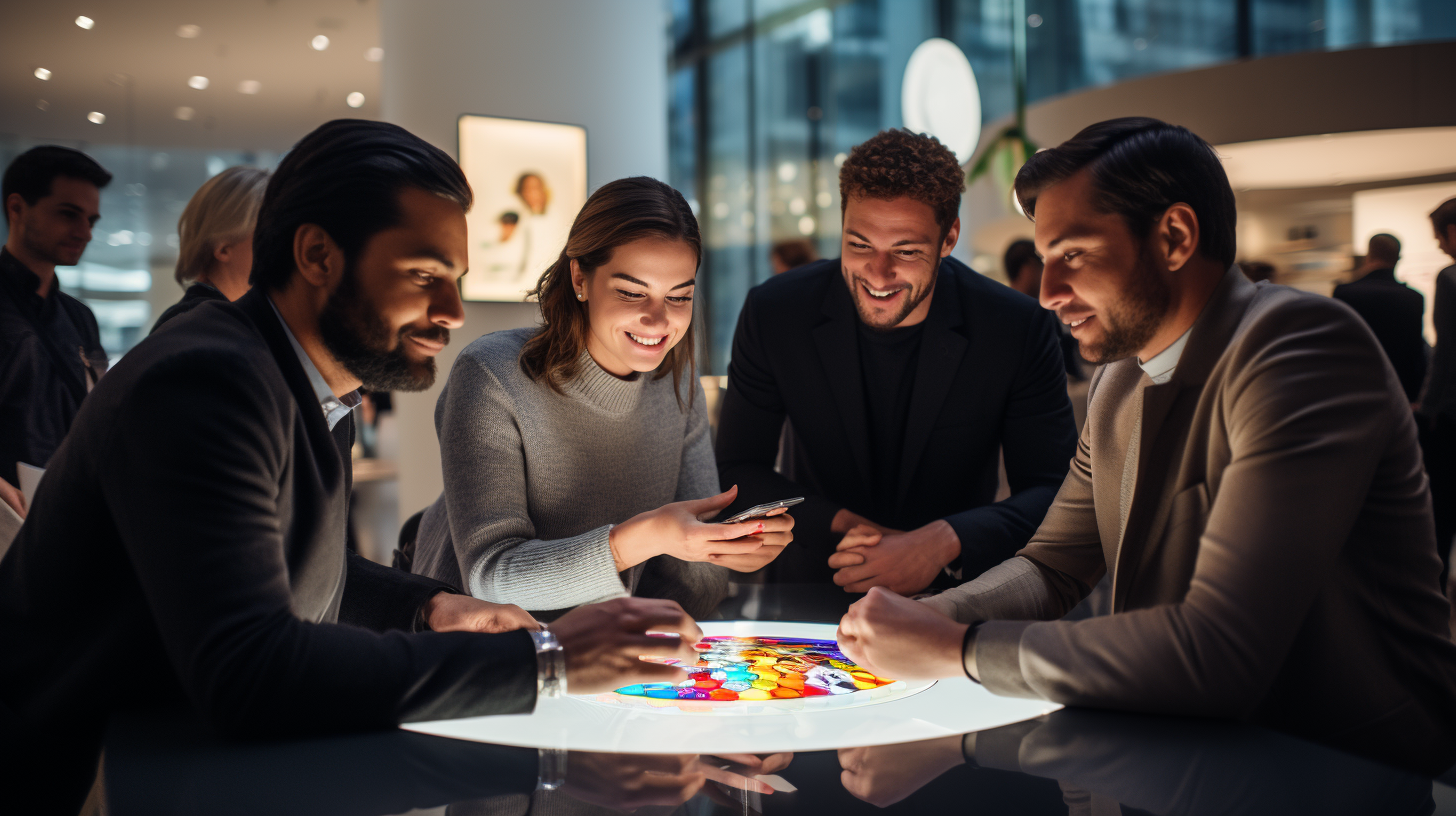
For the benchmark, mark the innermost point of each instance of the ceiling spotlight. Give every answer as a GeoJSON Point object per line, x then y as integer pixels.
{"type": "Point", "coordinates": [355, 100]}
{"type": "Point", "coordinates": [96, 118]}
{"type": "Point", "coordinates": [189, 31]}
{"type": "Point", "coordinates": [86, 23]}
{"type": "Point", "coordinates": [198, 82]}
{"type": "Point", "coordinates": [375, 54]}
{"type": "Point", "coordinates": [42, 73]}
{"type": "Point", "coordinates": [249, 86]}
{"type": "Point", "coordinates": [185, 113]}
{"type": "Point", "coordinates": [319, 43]}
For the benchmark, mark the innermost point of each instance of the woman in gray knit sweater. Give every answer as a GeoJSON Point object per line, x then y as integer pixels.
{"type": "Point", "coordinates": [577, 460]}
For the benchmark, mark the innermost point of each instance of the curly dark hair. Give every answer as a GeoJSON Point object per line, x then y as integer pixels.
{"type": "Point", "coordinates": [897, 163]}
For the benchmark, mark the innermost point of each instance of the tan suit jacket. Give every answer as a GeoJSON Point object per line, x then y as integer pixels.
{"type": "Point", "coordinates": [1278, 563]}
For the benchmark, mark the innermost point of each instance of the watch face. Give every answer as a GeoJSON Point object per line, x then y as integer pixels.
{"type": "Point", "coordinates": [762, 668]}
{"type": "Point", "coordinates": [940, 97]}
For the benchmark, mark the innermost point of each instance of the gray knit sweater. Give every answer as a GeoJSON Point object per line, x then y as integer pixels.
{"type": "Point", "coordinates": [535, 479]}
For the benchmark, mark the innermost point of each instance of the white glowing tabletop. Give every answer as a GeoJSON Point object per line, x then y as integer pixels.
{"type": "Point", "coordinates": [906, 712]}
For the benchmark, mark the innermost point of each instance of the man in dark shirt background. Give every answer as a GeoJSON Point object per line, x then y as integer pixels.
{"type": "Point", "coordinates": [903, 373]}
{"type": "Point", "coordinates": [1392, 310]}
{"type": "Point", "coordinates": [50, 347]}
{"type": "Point", "coordinates": [1438, 401]}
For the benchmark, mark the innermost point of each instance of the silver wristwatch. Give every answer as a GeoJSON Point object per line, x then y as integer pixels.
{"type": "Point", "coordinates": [550, 664]}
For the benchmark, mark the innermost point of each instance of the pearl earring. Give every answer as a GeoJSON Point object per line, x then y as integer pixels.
{"type": "Point", "coordinates": [580, 296]}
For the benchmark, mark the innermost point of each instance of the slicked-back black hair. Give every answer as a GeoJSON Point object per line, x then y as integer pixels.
{"type": "Point", "coordinates": [1140, 167]}
{"type": "Point", "coordinates": [33, 171]}
{"type": "Point", "coordinates": [346, 177]}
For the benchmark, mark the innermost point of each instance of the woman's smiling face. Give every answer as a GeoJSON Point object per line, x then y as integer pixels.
{"type": "Point", "coordinates": [639, 303]}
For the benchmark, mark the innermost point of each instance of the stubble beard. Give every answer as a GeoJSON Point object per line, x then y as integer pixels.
{"type": "Point", "coordinates": [913, 299]}
{"type": "Point", "coordinates": [1131, 324]}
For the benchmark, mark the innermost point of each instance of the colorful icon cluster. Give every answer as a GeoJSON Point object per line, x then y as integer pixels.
{"type": "Point", "coordinates": [762, 668]}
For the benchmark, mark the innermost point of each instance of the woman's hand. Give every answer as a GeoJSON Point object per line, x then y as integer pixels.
{"type": "Point", "coordinates": [449, 612]}
{"type": "Point", "coordinates": [678, 530]}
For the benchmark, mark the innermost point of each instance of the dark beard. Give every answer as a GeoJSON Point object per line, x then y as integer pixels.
{"type": "Point", "coordinates": [359, 340]}
{"type": "Point", "coordinates": [1128, 328]}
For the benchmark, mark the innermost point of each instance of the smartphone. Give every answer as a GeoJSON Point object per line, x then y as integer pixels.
{"type": "Point", "coordinates": [761, 510]}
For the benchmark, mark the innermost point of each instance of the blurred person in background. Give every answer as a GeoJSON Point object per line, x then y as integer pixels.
{"type": "Point", "coordinates": [577, 457]}
{"type": "Point", "coordinates": [1438, 401]}
{"type": "Point", "coordinates": [216, 236]}
{"type": "Point", "coordinates": [792, 254]}
{"type": "Point", "coordinates": [50, 345]}
{"type": "Point", "coordinates": [1392, 310]}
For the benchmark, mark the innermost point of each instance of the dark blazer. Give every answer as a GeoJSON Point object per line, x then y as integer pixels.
{"type": "Point", "coordinates": [990, 376]}
{"type": "Point", "coordinates": [187, 545]}
{"type": "Point", "coordinates": [1394, 312]}
{"type": "Point", "coordinates": [196, 293]}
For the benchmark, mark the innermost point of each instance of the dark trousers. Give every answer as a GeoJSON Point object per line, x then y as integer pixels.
{"type": "Point", "coordinates": [1438, 447]}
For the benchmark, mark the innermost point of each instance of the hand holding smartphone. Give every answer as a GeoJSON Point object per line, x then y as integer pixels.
{"type": "Point", "coordinates": [761, 510]}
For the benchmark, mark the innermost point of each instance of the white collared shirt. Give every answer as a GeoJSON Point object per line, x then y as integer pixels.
{"type": "Point", "coordinates": [1160, 368]}
{"type": "Point", "coordinates": [334, 407]}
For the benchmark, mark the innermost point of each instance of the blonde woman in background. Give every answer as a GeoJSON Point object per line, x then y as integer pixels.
{"type": "Point", "coordinates": [216, 236]}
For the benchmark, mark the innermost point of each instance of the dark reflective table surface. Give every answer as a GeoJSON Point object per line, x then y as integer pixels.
{"type": "Point", "coordinates": [1069, 762]}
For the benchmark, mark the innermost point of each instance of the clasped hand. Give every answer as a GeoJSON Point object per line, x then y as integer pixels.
{"type": "Point", "coordinates": [905, 563]}
{"type": "Point", "coordinates": [680, 530]}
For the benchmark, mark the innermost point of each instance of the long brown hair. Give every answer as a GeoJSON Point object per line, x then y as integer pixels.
{"type": "Point", "coordinates": [619, 213]}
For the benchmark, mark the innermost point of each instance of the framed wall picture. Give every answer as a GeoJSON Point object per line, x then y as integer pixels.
{"type": "Point", "coordinates": [529, 180]}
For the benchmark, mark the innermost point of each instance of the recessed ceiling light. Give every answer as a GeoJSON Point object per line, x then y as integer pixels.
{"type": "Point", "coordinates": [96, 117]}
{"type": "Point", "coordinates": [355, 100]}
{"type": "Point", "coordinates": [86, 23]}
{"type": "Point", "coordinates": [189, 31]}
{"type": "Point", "coordinates": [319, 43]}
{"type": "Point", "coordinates": [375, 54]}
{"type": "Point", "coordinates": [249, 86]}
{"type": "Point", "coordinates": [185, 113]}
{"type": "Point", "coordinates": [198, 82]}
{"type": "Point", "coordinates": [42, 73]}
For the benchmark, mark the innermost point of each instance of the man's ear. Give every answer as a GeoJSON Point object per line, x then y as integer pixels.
{"type": "Point", "coordinates": [951, 236]}
{"type": "Point", "coordinates": [318, 259]}
{"type": "Point", "coordinates": [14, 204]}
{"type": "Point", "coordinates": [1178, 235]}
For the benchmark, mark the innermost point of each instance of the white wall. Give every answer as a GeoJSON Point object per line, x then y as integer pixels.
{"type": "Point", "coordinates": [598, 64]}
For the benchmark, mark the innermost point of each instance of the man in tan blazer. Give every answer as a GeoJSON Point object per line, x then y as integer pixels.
{"type": "Point", "coordinates": [1248, 475]}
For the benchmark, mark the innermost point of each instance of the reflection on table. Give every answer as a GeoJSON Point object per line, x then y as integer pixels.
{"type": "Point", "coordinates": [1070, 762]}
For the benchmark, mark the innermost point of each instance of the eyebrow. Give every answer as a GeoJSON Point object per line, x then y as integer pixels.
{"type": "Point", "coordinates": [434, 255]}
{"type": "Point", "coordinates": [628, 278]}
{"type": "Point", "coordinates": [1073, 233]}
{"type": "Point", "coordinates": [901, 242]}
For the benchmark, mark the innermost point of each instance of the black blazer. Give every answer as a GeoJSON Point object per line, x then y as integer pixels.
{"type": "Point", "coordinates": [187, 544]}
{"type": "Point", "coordinates": [196, 294]}
{"type": "Point", "coordinates": [990, 375]}
{"type": "Point", "coordinates": [1394, 312]}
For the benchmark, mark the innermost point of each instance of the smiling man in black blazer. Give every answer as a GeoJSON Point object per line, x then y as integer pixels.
{"type": "Point", "coordinates": [187, 544]}
{"type": "Point", "coordinates": [902, 374]}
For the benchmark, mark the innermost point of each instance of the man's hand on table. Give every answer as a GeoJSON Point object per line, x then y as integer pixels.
{"type": "Point", "coordinates": [13, 497]}
{"type": "Point", "coordinates": [902, 562]}
{"type": "Point", "coordinates": [893, 636]}
{"type": "Point", "coordinates": [449, 612]}
{"type": "Point", "coordinates": [884, 774]}
{"type": "Point", "coordinates": [603, 643]}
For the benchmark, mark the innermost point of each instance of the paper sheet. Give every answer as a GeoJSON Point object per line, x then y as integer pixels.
{"type": "Point", "coordinates": [29, 481]}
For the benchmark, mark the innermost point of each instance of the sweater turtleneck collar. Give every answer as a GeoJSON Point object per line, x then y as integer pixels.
{"type": "Point", "coordinates": [601, 388]}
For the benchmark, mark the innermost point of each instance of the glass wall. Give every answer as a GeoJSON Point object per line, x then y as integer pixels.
{"type": "Point", "coordinates": [767, 96]}
{"type": "Point", "coordinates": [125, 275]}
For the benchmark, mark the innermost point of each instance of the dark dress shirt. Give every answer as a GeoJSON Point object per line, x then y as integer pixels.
{"type": "Point", "coordinates": [1394, 312]}
{"type": "Point", "coordinates": [187, 548]}
{"type": "Point", "coordinates": [988, 376]}
{"type": "Point", "coordinates": [50, 356]}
